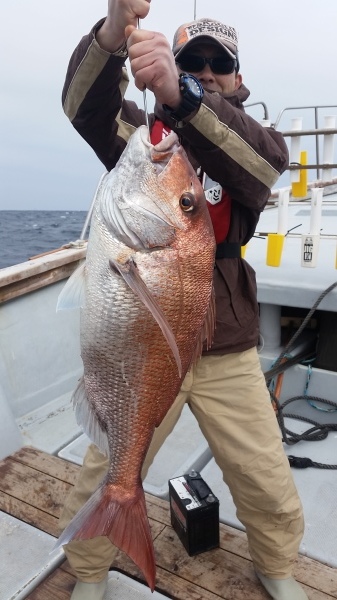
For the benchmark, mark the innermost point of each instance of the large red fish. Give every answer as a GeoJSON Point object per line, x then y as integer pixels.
{"type": "Point", "coordinates": [147, 307]}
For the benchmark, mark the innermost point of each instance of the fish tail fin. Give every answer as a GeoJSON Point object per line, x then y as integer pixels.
{"type": "Point", "coordinates": [124, 522]}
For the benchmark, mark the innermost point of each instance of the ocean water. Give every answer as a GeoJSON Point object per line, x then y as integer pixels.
{"type": "Point", "coordinates": [27, 233]}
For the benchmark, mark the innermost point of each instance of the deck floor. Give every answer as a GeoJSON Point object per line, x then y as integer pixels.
{"type": "Point", "coordinates": [33, 486]}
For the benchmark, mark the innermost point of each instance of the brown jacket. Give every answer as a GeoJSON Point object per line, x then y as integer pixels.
{"type": "Point", "coordinates": [229, 145]}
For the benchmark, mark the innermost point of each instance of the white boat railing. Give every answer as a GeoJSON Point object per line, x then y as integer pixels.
{"type": "Point", "coordinates": [321, 125]}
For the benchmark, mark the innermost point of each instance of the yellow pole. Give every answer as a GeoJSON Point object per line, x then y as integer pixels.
{"type": "Point", "coordinates": [300, 188]}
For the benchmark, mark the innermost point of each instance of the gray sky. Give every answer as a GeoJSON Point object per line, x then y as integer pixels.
{"type": "Point", "coordinates": [288, 54]}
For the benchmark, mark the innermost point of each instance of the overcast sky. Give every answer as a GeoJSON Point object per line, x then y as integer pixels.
{"type": "Point", "coordinates": [288, 55]}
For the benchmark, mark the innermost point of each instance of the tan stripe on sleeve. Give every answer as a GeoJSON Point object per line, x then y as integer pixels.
{"type": "Point", "coordinates": [233, 145]}
{"type": "Point", "coordinates": [88, 70]}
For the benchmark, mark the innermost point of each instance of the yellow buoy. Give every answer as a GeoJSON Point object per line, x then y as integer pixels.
{"type": "Point", "coordinates": [274, 249]}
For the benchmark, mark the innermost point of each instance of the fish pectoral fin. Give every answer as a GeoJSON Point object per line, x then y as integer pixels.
{"type": "Point", "coordinates": [132, 278]}
{"type": "Point", "coordinates": [73, 293]}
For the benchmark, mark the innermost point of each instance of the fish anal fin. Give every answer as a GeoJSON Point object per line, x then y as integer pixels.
{"type": "Point", "coordinates": [123, 521]}
{"type": "Point", "coordinates": [86, 417]}
{"type": "Point", "coordinates": [128, 270]}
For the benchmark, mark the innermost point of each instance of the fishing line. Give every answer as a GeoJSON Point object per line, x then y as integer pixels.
{"type": "Point", "coordinates": [144, 95]}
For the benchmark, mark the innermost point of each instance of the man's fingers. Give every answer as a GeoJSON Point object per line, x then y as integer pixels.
{"type": "Point", "coordinates": [128, 30]}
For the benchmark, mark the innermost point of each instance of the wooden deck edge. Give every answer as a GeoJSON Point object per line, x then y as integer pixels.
{"type": "Point", "coordinates": [32, 275]}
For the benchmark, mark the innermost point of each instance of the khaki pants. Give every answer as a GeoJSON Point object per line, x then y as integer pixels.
{"type": "Point", "coordinates": [228, 396]}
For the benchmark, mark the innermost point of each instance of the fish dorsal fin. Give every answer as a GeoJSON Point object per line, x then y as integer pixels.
{"type": "Point", "coordinates": [73, 293]}
{"type": "Point", "coordinates": [132, 278]}
{"type": "Point", "coordinates": [207, 330]}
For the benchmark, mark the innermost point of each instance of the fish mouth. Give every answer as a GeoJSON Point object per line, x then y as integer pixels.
{"type": "Point", "coordinates": [161, 153]}
{"type": "Point", "coordinates": [168, 145]}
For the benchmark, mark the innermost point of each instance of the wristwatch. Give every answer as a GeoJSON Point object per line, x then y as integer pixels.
{"type": "Point", "coordinates": [191, 96]}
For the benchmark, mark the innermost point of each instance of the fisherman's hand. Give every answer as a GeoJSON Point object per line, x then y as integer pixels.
{"type": "Point", "coordinates": [111, 36]}
{"type": "Point", "coordinates": [152, 65]}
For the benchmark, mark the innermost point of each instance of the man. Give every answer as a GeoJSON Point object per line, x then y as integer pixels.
{"type": "Point", "coordinates": [238, 161]}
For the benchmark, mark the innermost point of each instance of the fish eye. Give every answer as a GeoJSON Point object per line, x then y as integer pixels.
{"type": "Point", "coordinates": [187, 202]}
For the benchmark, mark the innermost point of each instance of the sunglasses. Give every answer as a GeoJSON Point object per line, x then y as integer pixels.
{"type": "Point", "coordinates": [219, 65]}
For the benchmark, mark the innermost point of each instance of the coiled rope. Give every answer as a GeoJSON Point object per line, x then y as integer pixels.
{"type": "Point", "coordinates": [318, 431]}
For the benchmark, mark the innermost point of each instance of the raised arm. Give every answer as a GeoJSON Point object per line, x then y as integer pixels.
{"type": "Point", "coordinates": [96, 82]}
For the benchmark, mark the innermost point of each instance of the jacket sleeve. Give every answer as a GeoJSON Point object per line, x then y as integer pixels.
{"type": "Point", "coordinates": [93, 99]}
{"type": "Point", "coordinates": [235, 150]}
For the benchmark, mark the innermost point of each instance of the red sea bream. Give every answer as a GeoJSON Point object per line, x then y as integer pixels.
{"type": "Point", "coordinates": [147, 306]}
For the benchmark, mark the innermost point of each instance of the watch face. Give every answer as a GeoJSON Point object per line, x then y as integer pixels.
{"type": "Point", "coordinates": [191, 86]}
{"type": "Point", "coordinates": [194, 87]}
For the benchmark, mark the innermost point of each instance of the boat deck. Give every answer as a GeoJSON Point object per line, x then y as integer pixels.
{"type": "Point", "coordinates": [33, 486]}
